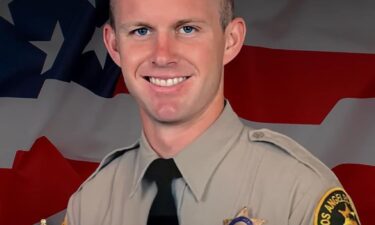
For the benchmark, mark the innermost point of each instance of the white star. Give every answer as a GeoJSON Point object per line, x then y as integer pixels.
{"type": "Point", "coordinates": [93, 2]}
{"type": "Point", "coordinates": [96, 44]}
{"type": "Point", "coordinates": [51, 48]}
{"type": "Point", "coordinates": [5, 12]}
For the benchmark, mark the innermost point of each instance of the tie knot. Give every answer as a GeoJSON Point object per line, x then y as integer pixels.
{"type": "Point", "coordinates": [162, 171]}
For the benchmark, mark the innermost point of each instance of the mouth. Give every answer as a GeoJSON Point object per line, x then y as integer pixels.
{"type": "Point", "coordinates": [166, 82]}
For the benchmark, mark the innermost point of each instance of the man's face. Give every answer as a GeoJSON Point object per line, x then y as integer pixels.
{"type": "Point", "coordinates": [172, 54]}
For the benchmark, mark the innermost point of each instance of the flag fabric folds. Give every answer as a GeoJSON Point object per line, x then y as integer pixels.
{"type": "Point", "coordinates": [306, 70]}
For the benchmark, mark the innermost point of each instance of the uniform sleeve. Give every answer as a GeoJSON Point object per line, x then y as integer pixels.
{"type": "Point", "coordinates": [74, 210]}
{"type": "Point", "coordinates": [303, 213]}
{"type": "Point", "coordinates": [318, 199]}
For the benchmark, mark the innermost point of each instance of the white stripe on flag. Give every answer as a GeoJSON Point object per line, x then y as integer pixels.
{"type": "Point", "coordinates": [79, 123]}
{"type": "Point", "coordinates": [345, 136]}
{"type": "Point", "coordinates": [317, 25]}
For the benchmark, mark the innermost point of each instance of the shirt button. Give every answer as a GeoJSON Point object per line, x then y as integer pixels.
{"type": "Point", "coordinates": [258, 134]}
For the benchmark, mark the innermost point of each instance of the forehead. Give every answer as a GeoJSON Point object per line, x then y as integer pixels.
{"type": "Point", "coordinates": [161, 9]}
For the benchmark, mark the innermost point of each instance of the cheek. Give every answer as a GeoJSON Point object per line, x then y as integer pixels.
{"type": "Point", "coordinates": [133, 56]}
{"type": "Point", "coordinates": [208, 58]}
{"type": "Point", "coordinates": [210, 49]}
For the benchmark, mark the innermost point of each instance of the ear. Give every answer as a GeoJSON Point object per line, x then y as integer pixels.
{"type": "Point", "coordinates": [109, 36]}
{"type": "Point", "coordinates": [234, 38]}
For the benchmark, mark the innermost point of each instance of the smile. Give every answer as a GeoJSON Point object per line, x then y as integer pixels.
{"type": "Point", "coordinates": [166, 82]}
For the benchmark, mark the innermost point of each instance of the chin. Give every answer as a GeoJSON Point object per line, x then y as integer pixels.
{"type": "Point", "coordinates": [168, 117]}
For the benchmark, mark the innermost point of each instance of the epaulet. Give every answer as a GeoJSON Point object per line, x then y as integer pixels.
{"type": "Point", "coordinates": [108, 159]}
{"type": "Point", "coordinates": [291, 147]}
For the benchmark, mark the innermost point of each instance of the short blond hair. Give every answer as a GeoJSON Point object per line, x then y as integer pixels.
{"type": "Point", "coordinates": [226, 13]}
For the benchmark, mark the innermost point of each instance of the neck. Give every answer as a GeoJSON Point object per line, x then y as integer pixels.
{"type": "Point", "coordinates": [167, 140]}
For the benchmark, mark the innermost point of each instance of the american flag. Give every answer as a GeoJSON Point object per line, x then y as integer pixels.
{"type": "Point", "coordinates": [306, 70]}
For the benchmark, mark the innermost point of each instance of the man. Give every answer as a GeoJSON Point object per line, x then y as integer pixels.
{"type": "Point", "coordinates": [172, 54]}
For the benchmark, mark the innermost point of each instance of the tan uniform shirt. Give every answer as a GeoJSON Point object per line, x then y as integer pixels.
{"type": "Point", "coordinates": [228, 167]}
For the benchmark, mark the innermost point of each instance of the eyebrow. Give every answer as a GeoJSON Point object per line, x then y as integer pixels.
{"type": "Point", "coordinates": [126, 26]}
{"type": "Point", "coordinates": [185, 21]}
{"type": "Point", "coordinates": [179, 23]}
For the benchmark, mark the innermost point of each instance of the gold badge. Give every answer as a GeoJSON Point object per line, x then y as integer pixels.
{"type": "Point", "coordinates": [65, 222]}
{"type": "Point", "coordinates": [336, 208]}
{"type": "Point", "coordinates": [244, 213]}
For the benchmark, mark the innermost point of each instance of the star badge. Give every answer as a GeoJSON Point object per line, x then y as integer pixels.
{"type": "Point", "coordinates": [243, 218]}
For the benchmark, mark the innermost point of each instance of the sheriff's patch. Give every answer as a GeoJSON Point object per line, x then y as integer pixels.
{"type": "Point", "coordinates": [336, 208]}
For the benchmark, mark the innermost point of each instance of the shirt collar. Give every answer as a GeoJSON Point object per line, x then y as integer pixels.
{"type": "Point", "coordinates": [198, 161]}
{"type": "Point", "coordinates": [145, 155]}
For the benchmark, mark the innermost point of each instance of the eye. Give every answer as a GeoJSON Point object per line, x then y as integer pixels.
{"type": "Point", "coordinates": [141, 31]}
{"type": "Point", "coordinates": [187, 29]}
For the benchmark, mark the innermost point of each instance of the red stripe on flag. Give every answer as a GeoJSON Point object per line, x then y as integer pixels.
{"type": "Point", "coordinates": [358, 181]}
{"type": "Point", "coordinates": [83, 168]}
{"type": "Point", "coordinates": [300, 87]}
{"type": "Point", "coordinates": [39, 184]}
{"type": "Point", "coordinates": [120, 86]}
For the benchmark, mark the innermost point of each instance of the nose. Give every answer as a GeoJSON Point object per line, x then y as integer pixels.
{"type": "Point", "coordinates": [164, 53]}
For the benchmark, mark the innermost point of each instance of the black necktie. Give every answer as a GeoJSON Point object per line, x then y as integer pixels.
{"type": "Point", "coordinates": [163, 209]}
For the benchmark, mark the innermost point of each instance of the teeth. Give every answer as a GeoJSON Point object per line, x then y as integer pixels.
{"type": "Point", "coordinates": [166, 82]}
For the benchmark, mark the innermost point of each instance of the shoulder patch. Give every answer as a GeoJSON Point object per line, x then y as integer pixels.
{"type": "Point", "coordinates": [292, 148]}
{"type": "Point", "coordinates": [336, 208]}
